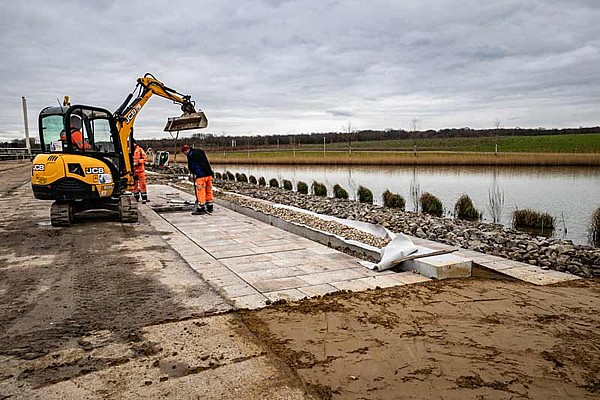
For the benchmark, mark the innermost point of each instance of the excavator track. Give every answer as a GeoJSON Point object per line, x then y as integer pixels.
{"type": "Point", "coordinates": [128, 209]}
{"type": "Point", "coordinates": [61, 213]}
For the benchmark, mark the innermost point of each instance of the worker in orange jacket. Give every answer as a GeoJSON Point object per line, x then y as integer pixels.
{"type": "Point", "coordinates": [139, 173]}
{"type": "Point", "coordinates": [76, 136]}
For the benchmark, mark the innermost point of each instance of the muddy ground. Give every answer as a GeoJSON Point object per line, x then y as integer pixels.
{"type": "Point", "coordinates": [109, 310]}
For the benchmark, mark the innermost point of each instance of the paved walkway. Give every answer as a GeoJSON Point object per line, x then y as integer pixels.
{"type": "Point", "coordinates": [253, 263]}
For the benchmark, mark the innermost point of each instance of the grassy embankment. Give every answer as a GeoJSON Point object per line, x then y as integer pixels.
{"type": "Point", "coordinates": [574, 150]}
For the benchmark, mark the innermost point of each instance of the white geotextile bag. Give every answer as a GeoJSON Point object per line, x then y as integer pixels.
{"type": "Point", "coordinates": [398, 248]}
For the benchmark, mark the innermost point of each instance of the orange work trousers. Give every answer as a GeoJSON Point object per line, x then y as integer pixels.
{"type": "Point", "coordinates": [204, 192]}
{"type": "Point", "coordinates": [139, 182]}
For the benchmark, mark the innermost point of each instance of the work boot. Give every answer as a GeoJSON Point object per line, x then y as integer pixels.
{"type": "Point", "coordinates": [209, 207]}
{"type": "Point", "coordinates": [137, 196]}
{"type": "Point", "coordinates": [199, 211]}
{"type": "Point", "coordinates": [144, 198]}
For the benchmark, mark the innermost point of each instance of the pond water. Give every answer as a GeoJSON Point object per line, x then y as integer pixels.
{"type": "Point", "coordinates": [569, 194]}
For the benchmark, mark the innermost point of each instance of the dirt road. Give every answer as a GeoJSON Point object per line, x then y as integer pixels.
{"type": "Point", "coordinates": [106, 310]}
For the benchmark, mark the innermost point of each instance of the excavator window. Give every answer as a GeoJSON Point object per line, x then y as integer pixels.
{"type": "Point", "coordinates": [52, 126]}
{"type": "Point", "coordinates": [103, 141]}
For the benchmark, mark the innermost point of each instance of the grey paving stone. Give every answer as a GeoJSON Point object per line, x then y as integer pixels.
{"type": "Point", "coordinates": [328, 277]}
{"type": "Point", "coordinates": [230, 279]}
{"type": "Point", "coordinates": [218, 271]}
{"type": "Point", "coordinates": [252, 301]}
{"type": "Point", "coordinates": [200, 265]}
{"type": "Point", "coordinates": [239, 290]}
{"type": "Point", "coordinates": [318, 290]}
{"type": "Point", "coordinates": [278, 284]}
{"type": "Point", "coordinates": [289, 294]}
{"type": "Point", "coordinates": [270, 274]}
{"type": "Point", "coordinates": [232, 253]}
{"type": "Point", "coordinates": [355, 285]}
{"type": "Point", "coordinates": [248, 267]}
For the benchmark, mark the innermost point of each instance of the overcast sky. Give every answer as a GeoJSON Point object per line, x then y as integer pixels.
{"type": "Point", "coordinates": [277, 66]}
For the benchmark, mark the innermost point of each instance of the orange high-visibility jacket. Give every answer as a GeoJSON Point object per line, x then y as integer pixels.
{"type": "Point", "coordinates": [139, 159]}
{"type": "Point", "coordinates": [77, 139]}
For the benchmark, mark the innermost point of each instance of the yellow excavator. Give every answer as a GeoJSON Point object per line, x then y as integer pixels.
{"type": "Point", "coordinates": [86, 161]}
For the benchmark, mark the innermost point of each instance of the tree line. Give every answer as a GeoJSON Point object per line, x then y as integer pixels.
{"type": "Point", "coordinates": [290, 140]}
{"type": "Point", "coordinates": [287, 141]}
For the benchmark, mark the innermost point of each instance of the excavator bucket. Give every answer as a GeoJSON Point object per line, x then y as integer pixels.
{"type": "Point", "coordinates": [187, 121]}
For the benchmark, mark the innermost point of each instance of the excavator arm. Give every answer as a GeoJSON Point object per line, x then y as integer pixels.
{"type": "Point", "coordinates": [126, 114]}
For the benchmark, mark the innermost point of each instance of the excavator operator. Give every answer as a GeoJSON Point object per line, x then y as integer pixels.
{"type": "Point", "coordinates": [76, 135]}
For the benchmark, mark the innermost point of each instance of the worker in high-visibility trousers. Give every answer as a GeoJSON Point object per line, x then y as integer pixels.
{"type": "Point", "coordinates": [139, 173]}
{"type": "Point", "coordinates": [199, 166]}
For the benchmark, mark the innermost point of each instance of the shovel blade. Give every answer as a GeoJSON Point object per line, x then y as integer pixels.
{"type": "Point", "coordinates": [187, 121]}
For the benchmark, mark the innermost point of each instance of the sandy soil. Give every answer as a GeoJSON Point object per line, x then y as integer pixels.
{"type": "Point", "coordinates": [456, 339]}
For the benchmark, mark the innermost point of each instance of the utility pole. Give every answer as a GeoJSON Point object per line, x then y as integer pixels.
{"type": "Point", "coordinates": [26, 126]}
{"type": "Point", "coordinates": [497, 125]}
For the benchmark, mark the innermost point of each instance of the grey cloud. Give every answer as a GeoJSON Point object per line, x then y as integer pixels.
{"type": "Point", "coordinates": [340, 113]}
{"type": "Point", "coordinates": [285, 66]}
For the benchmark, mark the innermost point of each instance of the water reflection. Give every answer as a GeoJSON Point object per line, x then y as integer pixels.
{"type": "Point", "coordinates": [569, 194]}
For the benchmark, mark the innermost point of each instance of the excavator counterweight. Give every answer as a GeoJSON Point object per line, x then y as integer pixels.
{"type": "Point", "coordinates": [186, 122]}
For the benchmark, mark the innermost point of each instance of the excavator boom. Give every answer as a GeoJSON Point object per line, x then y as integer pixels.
{"type": "Point", "coordinates": [147, 87]}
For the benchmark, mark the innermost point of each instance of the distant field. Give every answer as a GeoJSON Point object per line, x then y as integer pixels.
{"type": "Point", "coordinates": [576, 150]}
{"type": "Point", "coordinates": [529, 144]}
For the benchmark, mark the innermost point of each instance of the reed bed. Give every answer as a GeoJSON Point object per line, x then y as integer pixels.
{"type": "Point", "coordinates": [364, 195]}
{"type": "Point", "coordinates": [339, 192]}
{"type": "Point", "coordinates": [393, 200]}
{"type": "Point", "coordinates": [319, 189]}
{"type": "Point", "coordinates": [241, 178]}
{"type": "Point", "coordinates": [431, 205]}
{"type": "Point", "coordinates": [302, 187]}
{"type": "Point", "coordinates": [408, 158]}
{"type": "Point", "coordinates": [531, 219]}
{"type": "Point", "coordinates": [464, 209]}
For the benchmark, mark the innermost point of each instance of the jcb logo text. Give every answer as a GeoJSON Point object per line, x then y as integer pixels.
{"type": "Point", "coordinates": [95, 170]}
